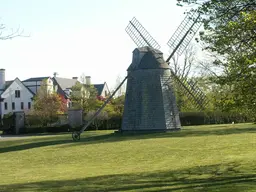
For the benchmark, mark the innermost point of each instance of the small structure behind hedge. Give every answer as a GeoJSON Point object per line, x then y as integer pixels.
{"type": "Point", "coordinates": [13, 123]}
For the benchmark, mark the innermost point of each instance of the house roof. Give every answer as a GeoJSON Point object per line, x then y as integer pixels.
{"type": "Point", "coordinates": [99, 88]}
{"type": "Point", "coordinates": [8, 84]}
{"type": "Point", "coordinates": [147, 58]}
{"type": "Point", "coordinates": [35, 79]}
{"type": "Point", "coordinates": [65, 83]}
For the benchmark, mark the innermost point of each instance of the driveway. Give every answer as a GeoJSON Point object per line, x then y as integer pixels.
{"type": "Point", "coordinates": [12, 136]}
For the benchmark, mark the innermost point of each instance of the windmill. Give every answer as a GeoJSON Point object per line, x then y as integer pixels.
{"type": "Point", "coordinates": [178, 43]}
{"type": "Point", "coordinates": [150, 103]}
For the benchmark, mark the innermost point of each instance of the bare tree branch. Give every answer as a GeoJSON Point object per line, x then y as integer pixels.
{"type": "Point", "coordinates": [122, 89]}
{"type": "Point", "coordinates": [10, 34]}
{"type": "Point", "coordinates": [182, 66]}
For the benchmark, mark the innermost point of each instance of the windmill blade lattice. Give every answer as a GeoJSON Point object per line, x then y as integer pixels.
{"type": "Point", "coordinates": [184, 33]}
{"type": "Point", "coordinates": [178, 42]}
{"type": "Point", "coordinates": [195, 94]}
{"type": "Point", "coordinates": [140, 35]}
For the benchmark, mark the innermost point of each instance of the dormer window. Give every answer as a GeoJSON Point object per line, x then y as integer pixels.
{"type": "Point", "coordinates": [17, 93]}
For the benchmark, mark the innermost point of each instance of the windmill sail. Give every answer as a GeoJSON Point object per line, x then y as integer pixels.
{"type": "Point", "coordinates": [178, 42]}
{"type": "Point", "coordinates": [184, 34]}
{"type": "Point", "coordinates": [140, 35]}
{"type": "Point", "coordinates": [195, 94]}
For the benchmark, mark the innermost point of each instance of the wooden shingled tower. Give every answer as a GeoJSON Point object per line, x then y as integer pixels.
{"type": "Point", "coordinates": [150, 103]}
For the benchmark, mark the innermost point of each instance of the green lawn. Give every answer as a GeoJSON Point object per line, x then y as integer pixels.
{"type": "Point", "coordinates": [199, 158]}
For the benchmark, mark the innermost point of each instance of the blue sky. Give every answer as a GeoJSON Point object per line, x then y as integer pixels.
{"type": "Point", "coordinates": [72, 37]}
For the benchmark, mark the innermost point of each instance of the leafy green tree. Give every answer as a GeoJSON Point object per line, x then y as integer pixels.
{"type": "Point", "coordinates": [98, 121]}
{"type": "Point", "coordinates": [84, 97]}
{"type": "Point", "coordinates": [229, 31]}
{"type": "Point", "coordinates": [118, 105]}
{"type": "Point", "coordinates": [47, 105]}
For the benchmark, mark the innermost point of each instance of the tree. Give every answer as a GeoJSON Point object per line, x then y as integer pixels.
{"type": "Point", "coordinates": [230, 32]}
{"type": "Point", "coordinates": [229, 29]}
{"type": "Point", "coordinates": [46, 105]}
{"type": "Point", "coordinates": [84, 97]}
{"type": "Point", "coordinates": [183, 65]}
{"type": "Point", "coordinates": [122, 89]}
{"type": "Point", "coordinates": [98, 121]}
{"type": "Point", "coordinates": [83, 78]}
{"type": "Point", "coordinates": [118, 105]}
{"type": "Point", "coordinates": [9, 34]}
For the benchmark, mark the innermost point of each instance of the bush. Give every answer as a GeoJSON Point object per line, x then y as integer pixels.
{"type": "Point", "coordinates": [115, 122]}
{"type": "Point", "coordinates": [8, 123]}
{"type": "Point", "coordinates": [98, 121]}
{"type": "Point", "coordinates": [34, 130]}
{"type": "Point", "coordinates": [59, 129]}
{"type": "Point", "coordinates": [200, 118]}
{"type": "Point", "coordinates": [186, 118]}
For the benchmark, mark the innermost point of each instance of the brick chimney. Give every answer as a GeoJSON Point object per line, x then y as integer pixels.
{"type": "Point", "coordinates": [88, 80]}
{"type": "Point", "coordinates": [2, 78]}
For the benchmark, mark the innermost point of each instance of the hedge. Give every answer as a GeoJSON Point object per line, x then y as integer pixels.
{"type": "Point", "coordinates": [200, 118]}
{"type": "Point", "coordinates": [187, 118]}
{"type": "Point", "coordinates": [63, 128]}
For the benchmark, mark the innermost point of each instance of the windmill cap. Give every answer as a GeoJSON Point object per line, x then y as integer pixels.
{"type": "Point", "coordinates": [147, 58]}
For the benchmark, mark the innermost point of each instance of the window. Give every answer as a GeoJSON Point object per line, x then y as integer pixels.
{"type": "Point", "coordinates": [29, 105]}
{"type": "Point", "coordinates": [13, 106]}
{"type": "Point", "coordinates": [5, 106]}
{"type": "Point", "coordinates": [22, 105]}
{"type": "Point", "coordinates": [17, 93]}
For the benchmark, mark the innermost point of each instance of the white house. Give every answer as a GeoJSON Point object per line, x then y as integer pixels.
{"type": "Point", "coordinates": [102, 89]}
{"type": "Point", "coordinates": [14, 95]}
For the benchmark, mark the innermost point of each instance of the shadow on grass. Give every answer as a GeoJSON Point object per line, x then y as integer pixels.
{"type": "Point", "coordinates": [90, 138]}
{"type": "Point", "coordinates": [34, 144]}
{"type": "Point", "coordinates": [220, 177]}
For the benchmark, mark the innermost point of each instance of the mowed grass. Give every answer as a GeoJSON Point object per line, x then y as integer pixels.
{"type": "Point", "coordinates": [198, 158]}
